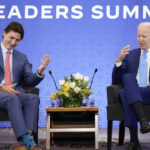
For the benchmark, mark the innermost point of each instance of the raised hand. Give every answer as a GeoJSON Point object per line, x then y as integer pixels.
{"type": "Point", "coordinates": [44, 63]}
{"type": "Point", "coordinates": [123, 53]}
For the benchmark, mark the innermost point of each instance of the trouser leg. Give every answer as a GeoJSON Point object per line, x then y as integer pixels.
{"type": "Point", "coordinates": [129, 115]}
{"type": "Point", "coordinates": [30, 109]}
{"type": "Point", "coordinates": [13, 105]}
{"type": "Point", "coordinates": [133, 97]}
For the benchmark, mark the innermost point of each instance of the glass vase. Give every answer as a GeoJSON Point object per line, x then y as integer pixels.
{"type": "Point", "coordinates": [74, 102]}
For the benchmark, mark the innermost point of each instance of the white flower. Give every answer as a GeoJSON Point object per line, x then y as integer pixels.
{"type": "Point", "coordinates": [77, 89]}
{"type": "Point", "coordinates": [78, 76]}
{"type": "Point", "coordinates": [72, 84]}
{"type": "Point", "coordinates": [61, 82]}
{"type": "Point", "coordinates": [81, 77]}
{"type": "Point", "coordinates": [86, 79]}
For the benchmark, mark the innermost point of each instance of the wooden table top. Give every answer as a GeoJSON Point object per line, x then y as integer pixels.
{"type": "Point", "coordinates": [71, 109]}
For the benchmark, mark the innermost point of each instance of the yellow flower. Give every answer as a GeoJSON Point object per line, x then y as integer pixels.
{"type": "Point", "coordinates": [67, 87]}
{"type": "Point", "coordinates": [53, 96]}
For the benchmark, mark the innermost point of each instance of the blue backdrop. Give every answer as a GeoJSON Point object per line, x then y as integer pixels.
{"type": "Point", "coordinates": [79, 36]}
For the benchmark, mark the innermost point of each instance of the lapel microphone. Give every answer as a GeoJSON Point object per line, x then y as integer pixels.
{"type": "Point", "coordinates": [93, 77]}
{"type": "Point", "coordinates": [50, 72]}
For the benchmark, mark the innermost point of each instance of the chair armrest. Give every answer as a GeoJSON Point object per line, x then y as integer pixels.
{"type": "Point", "coordinates": [32, 90]}
{"type": "Point", "coordinates": [113, 95]}
{"type": "Point", "coordinates": [29, 89]}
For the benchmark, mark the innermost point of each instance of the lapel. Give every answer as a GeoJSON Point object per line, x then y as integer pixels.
{"type": "Point", "coordinates": [137, 60]}
{"type": "Point", "coordinates": [14, 63]}
{"type": "Point", "coordinates": [1, 59]}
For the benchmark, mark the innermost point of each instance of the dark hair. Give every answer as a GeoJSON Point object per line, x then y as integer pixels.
{"type": "Point", "coordinates": [16, 27]}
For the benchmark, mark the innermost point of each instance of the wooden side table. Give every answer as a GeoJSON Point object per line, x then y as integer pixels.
{"type": "Point", "coordinates": [70, 128]}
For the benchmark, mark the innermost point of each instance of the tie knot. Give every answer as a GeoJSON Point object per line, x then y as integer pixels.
{"type": "Point", "coordinates": [8, 52]}
{"type": "Point", "coordinates": [145, 52]}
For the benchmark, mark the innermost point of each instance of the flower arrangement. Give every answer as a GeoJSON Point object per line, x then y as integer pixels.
{"type": "Point", "coordinates": [73, 90]}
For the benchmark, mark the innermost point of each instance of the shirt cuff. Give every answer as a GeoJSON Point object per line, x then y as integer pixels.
{"type": "Point", "coordinates": [40, 76]}
{"type": "Point", "coordinates": [118, 64]}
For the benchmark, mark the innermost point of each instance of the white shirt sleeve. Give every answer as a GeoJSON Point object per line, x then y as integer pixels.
{"type": "Point", "coordinates": [118, 64]}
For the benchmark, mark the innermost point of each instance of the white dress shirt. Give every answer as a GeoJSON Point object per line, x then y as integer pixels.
{"type": "Point", "coordinates": [148, 66]}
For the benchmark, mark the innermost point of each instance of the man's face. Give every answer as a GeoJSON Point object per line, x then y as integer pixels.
{"type": "Point", "coordinates": [143, 37]}
{"type": "Point", "coordinates": [11, 39]}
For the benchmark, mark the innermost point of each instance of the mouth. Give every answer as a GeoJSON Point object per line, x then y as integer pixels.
{"type": "Point", "coordinates": [141, 45]}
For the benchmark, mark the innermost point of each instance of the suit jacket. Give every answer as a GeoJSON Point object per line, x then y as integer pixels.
{"type": "Point", "coordinates": [130, 64]}
{"type": "Point", "coordinates": [21, 70]}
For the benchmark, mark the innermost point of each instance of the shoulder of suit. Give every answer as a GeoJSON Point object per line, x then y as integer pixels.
{"type": "Point", "coordinates": [135, 50]}
{"type": "Point", "coordinates": [19, 53]}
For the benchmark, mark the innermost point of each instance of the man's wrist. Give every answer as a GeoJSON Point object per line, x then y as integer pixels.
{"type": "Point", "coordinates": [118, 60]}
{"type": "Point", "coordinates": [40, 74]}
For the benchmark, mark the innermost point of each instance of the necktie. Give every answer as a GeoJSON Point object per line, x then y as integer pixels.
{"type": "Point", "coordinates": [7, 70]}
{"type": "Point", "coordinates": [143, 70]}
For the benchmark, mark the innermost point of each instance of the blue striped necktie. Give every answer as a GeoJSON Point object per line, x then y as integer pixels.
{"type": "Point", "coordinates": [143, 70]}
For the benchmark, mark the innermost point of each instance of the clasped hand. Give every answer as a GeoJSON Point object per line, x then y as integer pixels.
{"type": "Point", "coordinates": [9, 89]}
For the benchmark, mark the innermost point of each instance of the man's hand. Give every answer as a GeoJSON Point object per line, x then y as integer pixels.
{"type": "Point", "coordinates": [45, 61]}
{"type": "Point", "coordinates": [9, 89]}
{"type": "Point", "coordinates": [123, 53]}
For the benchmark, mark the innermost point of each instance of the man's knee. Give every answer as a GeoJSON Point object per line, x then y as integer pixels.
{"type": "Point", "coordinates": [13, 101]}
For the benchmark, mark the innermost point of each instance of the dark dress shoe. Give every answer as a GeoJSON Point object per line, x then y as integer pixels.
{"type": "Point", "coordinates": [145, 127]}
{"type": "Point", "coordinates": [132, 146]}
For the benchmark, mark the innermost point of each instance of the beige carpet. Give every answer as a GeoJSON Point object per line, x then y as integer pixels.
{"type": "Point", "coordinates": [8, 141]}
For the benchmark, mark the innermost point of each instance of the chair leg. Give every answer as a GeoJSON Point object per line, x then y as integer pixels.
{"type": "Point", "coordinates": [121, 133]}
{"type": "Point", "coordinates": [35, 137]}
{"type": "Point", "coordinates": [109, 134]}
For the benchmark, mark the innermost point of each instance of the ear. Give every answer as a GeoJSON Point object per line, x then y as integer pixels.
{"type": "Point", "coordinates": [4, 33]}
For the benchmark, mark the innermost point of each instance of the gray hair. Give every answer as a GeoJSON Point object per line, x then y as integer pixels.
{"type": "Point", "coordinates": [143, 24]}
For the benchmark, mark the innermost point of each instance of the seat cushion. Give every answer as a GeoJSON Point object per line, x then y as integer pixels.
{"type": "Point", "coordinates": [3, 115]}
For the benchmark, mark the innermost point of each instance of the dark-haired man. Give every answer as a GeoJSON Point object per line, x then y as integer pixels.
{"type": "Point", "coordinates": [132, 70]}
{"type": "Point", "coordinates": [14, 67]}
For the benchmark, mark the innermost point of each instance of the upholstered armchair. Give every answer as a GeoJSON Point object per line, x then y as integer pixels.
{"type": "Point", "coordinates": [115, 113]}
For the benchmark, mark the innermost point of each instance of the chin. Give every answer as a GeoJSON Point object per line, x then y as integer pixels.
{"type": "Point", "coordinates": [142, 47]}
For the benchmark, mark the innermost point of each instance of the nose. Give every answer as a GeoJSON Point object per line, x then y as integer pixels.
{"type": "Point", "coordinates": [13, 42]}
{"type": "Point", "coordinates": [140, 39]}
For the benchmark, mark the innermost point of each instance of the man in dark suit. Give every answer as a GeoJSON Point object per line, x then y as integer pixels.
{"type": "Point", "coordinates": [14, 68]}
{"type": "Point", "coordinates": [132, 71]}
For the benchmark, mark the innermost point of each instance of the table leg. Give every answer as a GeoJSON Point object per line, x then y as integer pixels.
{"type": "Point", "coordinates": [96, 130]}
{"type": "Point", "coordinates": [48, 132]}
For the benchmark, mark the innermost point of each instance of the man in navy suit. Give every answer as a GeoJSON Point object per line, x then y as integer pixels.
{"type": "Point", "coordinates": [132, 71]}
{"type": "Point", "coordinates": [12, 95]}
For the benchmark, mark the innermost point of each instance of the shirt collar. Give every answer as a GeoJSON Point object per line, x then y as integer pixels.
{"type": "Point", "coordinates": [146, 50]}
{"type": "Point", "coordinates": [4, 49]}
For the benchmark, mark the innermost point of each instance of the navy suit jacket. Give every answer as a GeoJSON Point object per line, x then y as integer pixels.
{"type": "Point", "coordinates": [130, 64]}
{"type": "Point", "coordinates": [21, 70]}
